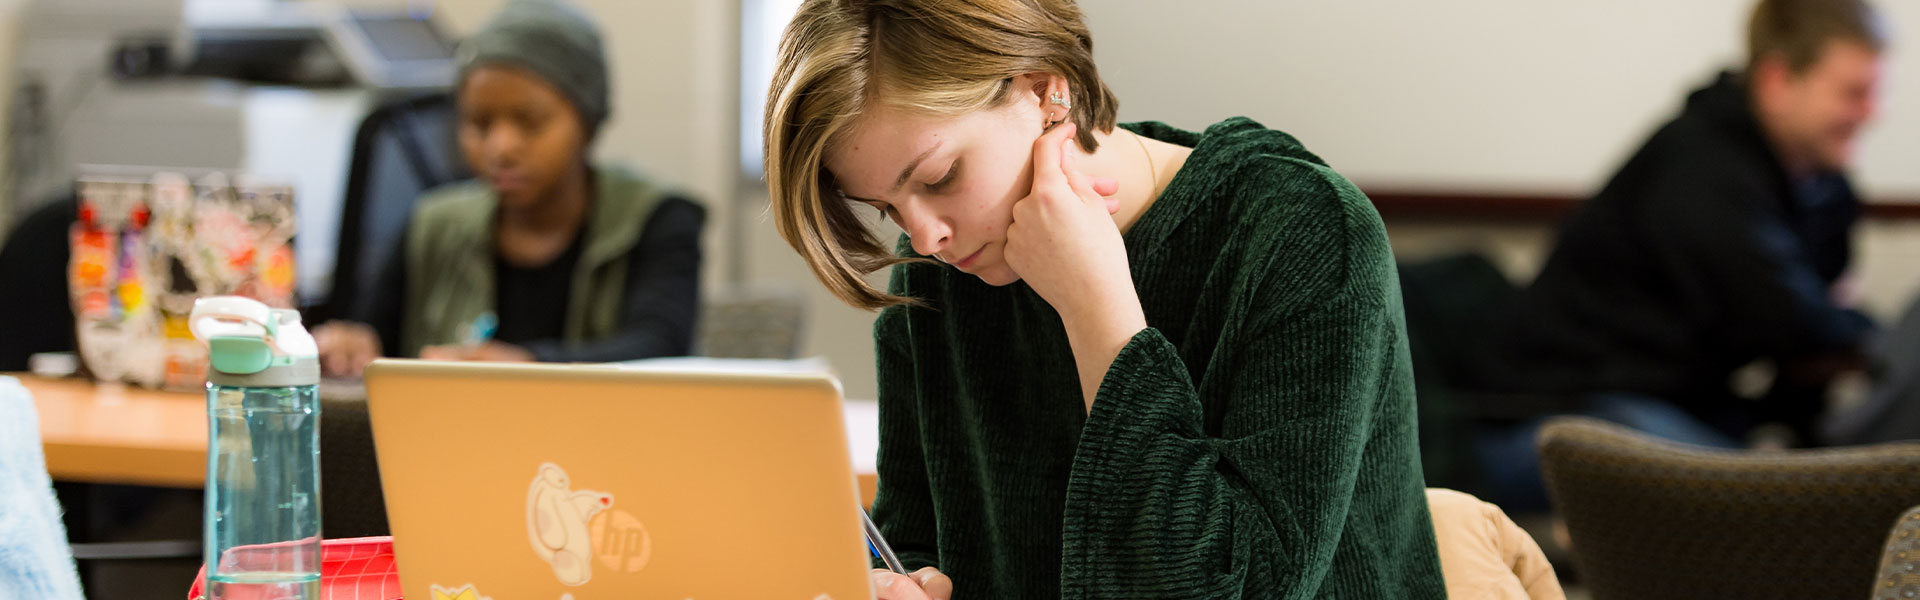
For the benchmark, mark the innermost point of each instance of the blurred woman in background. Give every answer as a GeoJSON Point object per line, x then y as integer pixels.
{"type": "Point", "coordinates": [547, 256]}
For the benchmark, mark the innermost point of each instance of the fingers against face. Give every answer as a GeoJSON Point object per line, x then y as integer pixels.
{"type": "Point", "coordinates": [1048, 153]}
{"type": "Point", "coordinates": [1105, 186]}
{"type": "Point", "coordinates": [1054, 163]}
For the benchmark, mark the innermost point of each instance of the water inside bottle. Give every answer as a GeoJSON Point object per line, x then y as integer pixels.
{"type": "Point", "coordinates": [264, 586]}
{"type": "Point", "coordinates": [263, 498]}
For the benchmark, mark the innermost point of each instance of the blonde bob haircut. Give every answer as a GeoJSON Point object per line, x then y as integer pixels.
{"type": "Point", "coordinates": [931, 57]}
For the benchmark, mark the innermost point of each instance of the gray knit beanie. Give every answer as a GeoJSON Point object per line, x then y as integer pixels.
{"type": "Point", "coordinates": [556, 41]}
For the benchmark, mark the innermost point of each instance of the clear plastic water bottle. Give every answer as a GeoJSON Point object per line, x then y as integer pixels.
{"type": "Point", "coordinates": [263, 451]}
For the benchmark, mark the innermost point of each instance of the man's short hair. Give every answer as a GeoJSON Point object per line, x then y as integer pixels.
{"type": "Point", "coordinates": [1799, 30]}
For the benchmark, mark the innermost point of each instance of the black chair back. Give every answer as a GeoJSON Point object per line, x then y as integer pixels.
{"type": "Point", "coordinates": [401, 150]}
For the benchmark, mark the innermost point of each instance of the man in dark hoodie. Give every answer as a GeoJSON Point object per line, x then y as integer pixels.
{"type": "Point", "coordinates": [1722, 243]}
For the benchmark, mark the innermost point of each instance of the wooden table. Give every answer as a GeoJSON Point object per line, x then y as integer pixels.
{"type": "Point", "coordinates": [121, 434]}
{"type": "Point", "coordinates": [131, 435]}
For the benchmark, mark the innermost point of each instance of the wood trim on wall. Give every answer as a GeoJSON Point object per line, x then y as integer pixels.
{"type": "Point", "coordinates": [1405, 204]}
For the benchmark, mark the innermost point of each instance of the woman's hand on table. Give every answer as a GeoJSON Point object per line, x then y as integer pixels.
{"type": "Point", "coordinates": [346, 347]}
{"type": "Point", "coordinates": [487, 352]}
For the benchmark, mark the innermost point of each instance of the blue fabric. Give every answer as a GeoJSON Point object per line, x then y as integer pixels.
{"type": "Point", "coordinates": [1511, 462]}
{"type": "Point", "coordinates": [34, 559]}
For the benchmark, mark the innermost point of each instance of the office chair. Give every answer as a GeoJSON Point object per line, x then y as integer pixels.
{"type": "Point", "coordinates": [401, 150]}
{"type": "Point", "coordinates": [1652, 519]}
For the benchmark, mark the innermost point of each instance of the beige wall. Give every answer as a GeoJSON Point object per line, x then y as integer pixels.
{"type": "Point", "coordinates": [1467, 93]}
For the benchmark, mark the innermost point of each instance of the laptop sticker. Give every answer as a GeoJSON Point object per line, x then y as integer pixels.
{"type": "Point", "coordinates": [465, 592]}
{"type": "Point", "coordinates": [557, 517]}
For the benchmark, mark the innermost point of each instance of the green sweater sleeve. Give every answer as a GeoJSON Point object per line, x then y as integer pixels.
{"type": "Point", "coordinates": [1157, 507]}
{"type": "Point", "coordinates": [903, 506]}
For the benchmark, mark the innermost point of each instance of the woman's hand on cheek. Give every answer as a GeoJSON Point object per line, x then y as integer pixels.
{"type": "Point", "coordinates": [1063, 241]}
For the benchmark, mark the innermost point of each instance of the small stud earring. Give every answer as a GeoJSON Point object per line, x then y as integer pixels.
{"type": "Point", "coordinates": [1057, 99]}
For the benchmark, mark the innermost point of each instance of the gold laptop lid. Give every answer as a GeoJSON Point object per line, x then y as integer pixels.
{"type": "Point", "coordinates": [506, 482]}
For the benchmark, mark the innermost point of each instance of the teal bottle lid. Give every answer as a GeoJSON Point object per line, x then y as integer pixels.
{"type": "Point", "coordinates": [252, 345]}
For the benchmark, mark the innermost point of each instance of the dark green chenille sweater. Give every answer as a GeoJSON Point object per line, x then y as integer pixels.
{"type": "Point", "coordinates": [1256, 441]}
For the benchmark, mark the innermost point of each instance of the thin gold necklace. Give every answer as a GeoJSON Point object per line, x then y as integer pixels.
{"type": "Point", "coordinates": [1152, 170]}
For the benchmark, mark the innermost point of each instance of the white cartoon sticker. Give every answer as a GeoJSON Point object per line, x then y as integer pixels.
{"type": "Point", "coordinates": [557, 517]}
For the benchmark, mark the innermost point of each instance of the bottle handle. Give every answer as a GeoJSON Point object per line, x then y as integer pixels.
{"type": "Point", "coordinates": [232, 316]}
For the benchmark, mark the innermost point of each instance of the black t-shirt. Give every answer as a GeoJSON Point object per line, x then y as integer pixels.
{"type": "Point", "coordinates": [531, 302]}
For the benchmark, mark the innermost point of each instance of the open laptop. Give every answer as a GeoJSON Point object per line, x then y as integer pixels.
{"type": "Point", "coordinates": [511, 482]}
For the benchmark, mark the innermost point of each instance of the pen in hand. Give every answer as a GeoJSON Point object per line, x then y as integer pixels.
{"type": "Point", "coordinates": [879, 545]}
{"type": "Point", "coordinates": [481, 330]}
